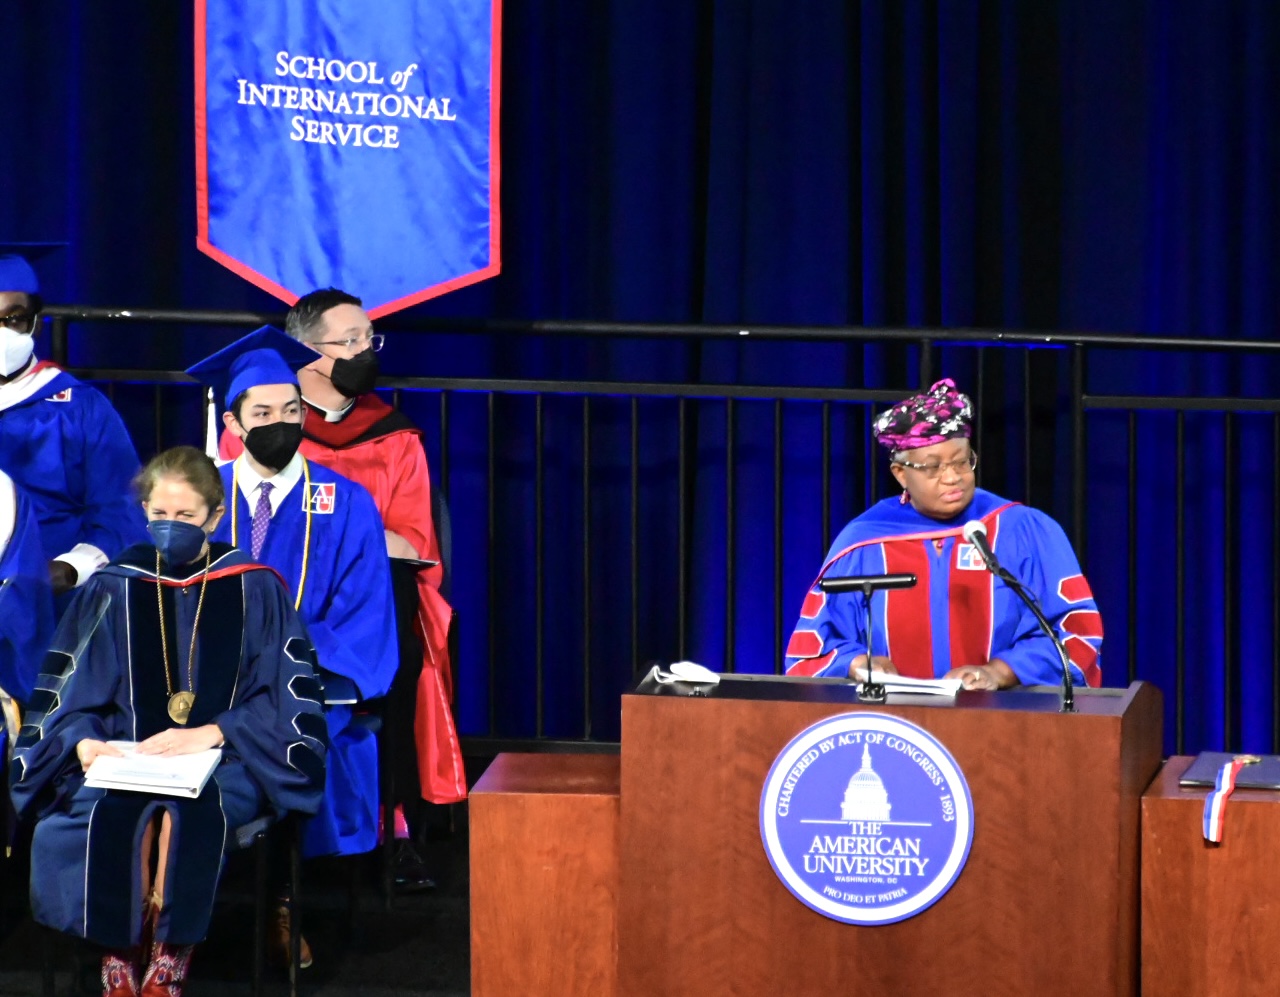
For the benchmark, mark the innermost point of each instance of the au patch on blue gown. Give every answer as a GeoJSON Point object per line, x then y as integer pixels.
{"type": "Point", "coordinates": [320, 497]}
{"type": "Point", "coordinates": [349, 147]}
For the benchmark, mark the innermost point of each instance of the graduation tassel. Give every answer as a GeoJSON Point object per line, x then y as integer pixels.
{"type": "Point", "coordinates": [211, 428]}
{"type": "Point", "coordinates": [10, 724]}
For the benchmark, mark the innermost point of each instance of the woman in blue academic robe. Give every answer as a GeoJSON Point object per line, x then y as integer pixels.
{"type": "Point", "coordinates": [959, 620]}
{"type": "Point", "coordinates": [181, 647]}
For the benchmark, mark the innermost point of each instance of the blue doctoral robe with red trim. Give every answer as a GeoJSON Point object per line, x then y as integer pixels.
{"type": "Point", "coordinates": [26, 600]}
{"type": "Point", "coordinates": [349, 612]}
{"type": "Point", "coordinates": [104, 678]}
{"type": "Point", "coordinates": [67, 448]}
{"type": "Point", "coordinates": [958, 613]}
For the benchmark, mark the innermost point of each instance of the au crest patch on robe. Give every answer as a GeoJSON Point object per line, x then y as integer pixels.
{"type": "Point", "coordinates": [320, 497]}
{"type": "Point", "coordinates": [62, 396]}
{"type": "Point", "coordinates": [968, 558]}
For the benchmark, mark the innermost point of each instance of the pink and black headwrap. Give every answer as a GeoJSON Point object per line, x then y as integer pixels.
{"type": "Point", "coordinates": [941, 413]}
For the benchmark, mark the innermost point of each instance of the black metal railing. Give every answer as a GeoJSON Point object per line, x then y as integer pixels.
{"type": "Point", "coordinates": [1043, 378]}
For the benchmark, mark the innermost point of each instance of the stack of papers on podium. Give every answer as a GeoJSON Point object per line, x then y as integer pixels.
{"type": "Point", "coordinates": [171, 775]}
{"type": "Point", "coordinates": [900, 684]}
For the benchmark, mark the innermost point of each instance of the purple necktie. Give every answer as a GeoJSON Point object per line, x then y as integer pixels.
{"type": "Point", "coordinates": [261, 517]}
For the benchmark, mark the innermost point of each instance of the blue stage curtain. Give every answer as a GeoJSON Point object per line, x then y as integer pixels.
{"type": "Point", "coordinates": [1075, 165]}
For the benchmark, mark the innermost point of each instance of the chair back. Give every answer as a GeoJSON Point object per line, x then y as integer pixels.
{"type": "Point", "coordinates": [444, 537]}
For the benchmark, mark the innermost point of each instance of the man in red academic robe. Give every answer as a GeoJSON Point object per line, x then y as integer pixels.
{"type": "Point", "coordinates": [349, 429]}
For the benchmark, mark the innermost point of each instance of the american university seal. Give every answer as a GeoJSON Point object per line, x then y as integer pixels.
{"type": "Point", "coordinates": [866, 818]}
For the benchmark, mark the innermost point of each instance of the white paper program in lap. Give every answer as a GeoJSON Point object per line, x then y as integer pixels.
{"type": "Point", "coordinates": [173, 775]}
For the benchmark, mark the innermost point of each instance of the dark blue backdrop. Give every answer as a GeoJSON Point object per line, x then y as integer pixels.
{"type": "Point", "coordinates": [1088, 164]}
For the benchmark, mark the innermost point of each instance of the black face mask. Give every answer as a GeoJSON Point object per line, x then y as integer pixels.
{"type": "Point", "coordinates": [355, 376]}
{"type": "Point", "coordinates": [275, 444]}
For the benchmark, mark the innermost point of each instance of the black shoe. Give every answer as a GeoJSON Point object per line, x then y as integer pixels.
{"type": "Point", "coordinates": [409, 872]}
{"type": "Point", "coordinates": [278, 953]}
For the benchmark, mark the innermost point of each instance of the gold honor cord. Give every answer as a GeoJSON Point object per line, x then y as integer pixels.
{"type": "Point", "coordinates": [306, 538]}
{"type": "Point", "coordinates": [181, 702]}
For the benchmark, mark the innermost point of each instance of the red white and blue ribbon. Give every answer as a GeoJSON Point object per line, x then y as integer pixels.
{"type": "Point", "coordinates": [1215, 804]}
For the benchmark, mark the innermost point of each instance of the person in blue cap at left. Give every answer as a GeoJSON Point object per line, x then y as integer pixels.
{"type": "Point", "coordinates": [322, 533]}
{"type": "Point", "coordinates": [62, 443]}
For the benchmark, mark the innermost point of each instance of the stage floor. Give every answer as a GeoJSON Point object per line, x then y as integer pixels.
{"type": "Point", "coordinates": [420, 947]}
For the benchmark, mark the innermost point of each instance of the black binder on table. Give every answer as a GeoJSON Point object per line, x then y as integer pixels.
{"type": "Point", "coordinates": [1265, 774]}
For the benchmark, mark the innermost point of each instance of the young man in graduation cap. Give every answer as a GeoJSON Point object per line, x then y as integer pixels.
{"type": "Point", "coordinates": [322, 533]}
{"type": "Point", "coordinates": [346, 427]}
{"type": "Point", "coordinates": [62, 443]}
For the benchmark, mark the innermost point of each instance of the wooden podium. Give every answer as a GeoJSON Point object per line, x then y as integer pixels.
{"type": "Point", "coordinates": [544, 877]}
{"type": "Point", "coordinates": [1047, 904]}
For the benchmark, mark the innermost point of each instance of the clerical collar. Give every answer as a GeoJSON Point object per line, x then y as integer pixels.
{"type": "Point", "coordinates": [331, 415]}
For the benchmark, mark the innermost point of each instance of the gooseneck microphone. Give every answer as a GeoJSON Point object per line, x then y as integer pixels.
{"type": "Point", "coordinates": [975, 532]}
{"type": "Point", "coordinates": [870, 691]}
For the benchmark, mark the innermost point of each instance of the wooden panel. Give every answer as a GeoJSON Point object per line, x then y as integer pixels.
{"type": "Point", "coordinates": [1210, 913]}
{"type": "Point", "coordinates": [1047, 903]}
{"type": "Point", "coordinates": [544, 876]}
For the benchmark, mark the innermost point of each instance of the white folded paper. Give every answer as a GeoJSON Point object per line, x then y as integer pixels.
{"type": "Point", "coordinates": [169, 775]}
{"type": "Point", "coordinates": [900, 684]}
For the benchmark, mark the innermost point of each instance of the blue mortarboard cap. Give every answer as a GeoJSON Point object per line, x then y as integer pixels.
{"type": "Point", "coordinates": [265, 356]}
{"type": "Point", "coordinates": [16, 272]}
{"type": "Point", "coordinates": [16, 275]}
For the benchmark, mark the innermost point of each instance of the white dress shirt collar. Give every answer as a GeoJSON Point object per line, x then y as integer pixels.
{"type": "Point", "coordinates": [282, 482]}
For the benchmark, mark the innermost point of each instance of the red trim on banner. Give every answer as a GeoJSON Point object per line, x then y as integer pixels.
{"type": "Point", "coordinates": [202, 128]}
{"type": "Point", "coordinates": [434, 291]}
{"type": "Point", "coordinates": [247, 272]}
{"type": "Point", "coordinates": [202, 169]}
{"type": "Point", "coordinates": [495, 145]}
{"type": "Point", "coordinates": [288, 297]}
{"type": "Point", "coordinates": [495, 188]}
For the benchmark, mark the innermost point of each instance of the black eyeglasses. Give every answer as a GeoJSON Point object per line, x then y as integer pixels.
{"type": "Point", "coordinates": [19, 321]}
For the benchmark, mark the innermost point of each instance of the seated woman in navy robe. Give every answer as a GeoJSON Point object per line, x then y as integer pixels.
{"type": "Point", "coordinates": [180, 646]}
{"type": "Point", "coordinates": [959, 620]}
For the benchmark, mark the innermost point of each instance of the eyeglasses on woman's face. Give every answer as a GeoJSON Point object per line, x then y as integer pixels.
{"type": "Point", "coordinates": [934, 468]}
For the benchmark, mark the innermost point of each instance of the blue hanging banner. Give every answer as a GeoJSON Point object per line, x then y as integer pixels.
{"type": "Point", "coordinates": [349, 144]}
